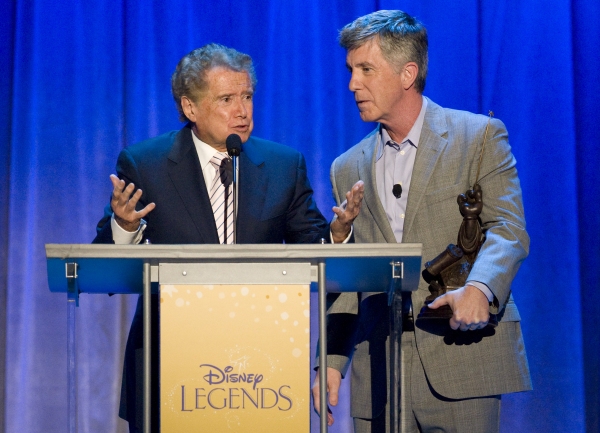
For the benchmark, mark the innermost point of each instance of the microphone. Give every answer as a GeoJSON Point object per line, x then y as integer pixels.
{"type": "Point", "coordinates": [234, 148]}
{"type": "Point", "coordinates": [234, 145]}
{"type": "Point", "coordinates": [226, 172]}
{"type": "Point", "coordinates": [397, 190]}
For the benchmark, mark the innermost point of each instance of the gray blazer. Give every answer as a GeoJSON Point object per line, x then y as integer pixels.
{"type": "Point", "coordinates": [457, 364]}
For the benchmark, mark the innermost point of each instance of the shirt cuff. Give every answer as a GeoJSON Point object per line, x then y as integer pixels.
{"type": "Point", "coordinates": [484, 288]}
{"type": "Point", "coordinates": [345, 241]}
{"type": "Point", "coordinates": [122, 236]}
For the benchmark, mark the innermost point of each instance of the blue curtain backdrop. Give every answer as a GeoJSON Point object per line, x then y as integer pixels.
{"type": "Point", "coordinates": [80, 80]}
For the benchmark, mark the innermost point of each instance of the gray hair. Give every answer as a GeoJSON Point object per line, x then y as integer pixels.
{"type": "Point", "coordinates": [189, 78]}
{"type": "Point", "coordinates": [401, 37]}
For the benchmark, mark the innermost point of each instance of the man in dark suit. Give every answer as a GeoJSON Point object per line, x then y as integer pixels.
{"type": "Point", "coordinates": [454, 370]}
{"type": "Point", "coordinates": [168, 188]}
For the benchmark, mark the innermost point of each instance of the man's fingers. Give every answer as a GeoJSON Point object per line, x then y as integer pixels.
{"type": "Point", "coordinates": [351, 199]}
{"type": "Point", "coordinates": [438, 302]}
{"type": "Point", "coordinates": [121, 194]}
{"type": "Point", "coordinates": [316, 394]}
{"type": "Point", "coordinates": [333, 395]}
{"type": "Point", "coordinates": [117, 183]}
{"type": "Point", "coordinates": [470, 308]}
{"type": "Point", "coordinates": [125, 203]}
{"type": "Point", "coordinates": [454, 324]}
{"type": "Point", "coordinates": [457, 324]}
{"type": "Point", "coordinates": [355, 196]}
{"type": "Point", "coordinates": [133, 201]}
{"type": "Point", "coordinates": [329, 417]}
{"type": "Point", "coordinates": [358, 191]}
{"type": "Point", "coordinates": [149, 208]}
{"type": "Point", "coordinates": [334, 379]}
{"type": "Point", "coordinates": [359, 186]}
{"type": "Point", "coordinates": [466, 326]}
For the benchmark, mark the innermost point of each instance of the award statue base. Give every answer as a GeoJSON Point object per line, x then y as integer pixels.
{"type": "Point", "coordinates": [445, 313]}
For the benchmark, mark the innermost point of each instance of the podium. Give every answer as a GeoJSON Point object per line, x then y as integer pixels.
{"type": "Point", "coordinates": [263, 274]}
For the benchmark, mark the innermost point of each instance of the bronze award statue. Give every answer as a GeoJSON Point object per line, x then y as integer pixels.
{"type": "Point", "coordinates": [451, 268]}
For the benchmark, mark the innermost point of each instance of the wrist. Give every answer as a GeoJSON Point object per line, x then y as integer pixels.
{"type": "Point", "coordinates": [340, 234]}
{"type": "Point", "coordinates": [127, 225]}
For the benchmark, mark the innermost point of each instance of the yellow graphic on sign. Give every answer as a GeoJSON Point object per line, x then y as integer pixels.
{"type": "Point", "coordinates": [235, 358]}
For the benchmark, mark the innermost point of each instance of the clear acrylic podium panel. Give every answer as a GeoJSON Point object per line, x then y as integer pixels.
{"type": "Point", "coordinates": [118, 268]}
{"type": "Point", "coordinates": [131, 269]}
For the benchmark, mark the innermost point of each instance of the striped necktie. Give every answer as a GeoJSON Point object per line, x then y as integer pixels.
{"type": "Point", "coordinates": [221, 197]}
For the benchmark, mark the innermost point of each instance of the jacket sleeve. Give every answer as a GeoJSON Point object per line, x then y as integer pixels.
{"type": "Point", "coordinates": [506, 241]}
{"type": "Point", "coordinates": [304, 221]}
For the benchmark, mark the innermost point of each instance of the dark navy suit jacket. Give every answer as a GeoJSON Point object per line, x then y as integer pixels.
{"type": "Point", "coordinates": [275, 202]}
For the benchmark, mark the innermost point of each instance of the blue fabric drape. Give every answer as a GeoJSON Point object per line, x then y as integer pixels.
{"type": "Point", "coordinates": [81, 80]}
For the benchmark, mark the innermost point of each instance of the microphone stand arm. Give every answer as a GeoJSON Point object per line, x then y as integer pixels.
{"type": "Point", "coordinates": [234, 160]}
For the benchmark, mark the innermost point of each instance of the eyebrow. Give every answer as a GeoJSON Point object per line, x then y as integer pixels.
{"type": "Point", "coordinates": [361, 65]}
{"type": "Point", "coordinates": [231, 94]}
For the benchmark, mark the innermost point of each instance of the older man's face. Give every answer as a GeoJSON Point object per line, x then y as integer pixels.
{"type": "Point", "coordinates": [225, 108]}
{"type": "Point", "coordinates": [378, 89]}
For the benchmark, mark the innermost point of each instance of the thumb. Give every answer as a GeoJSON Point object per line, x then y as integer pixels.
{"type": "Point", "coordinates": [333, 396]}
{"type": "Point", "coordinates": [438, 302]}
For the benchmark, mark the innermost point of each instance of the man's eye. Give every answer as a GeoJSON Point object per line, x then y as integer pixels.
{"type": "Point", "coordinates": [248, 97]}
{"type": "Point", "coordinates": [226, 99]}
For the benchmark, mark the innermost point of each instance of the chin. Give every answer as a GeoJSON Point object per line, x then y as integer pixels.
{"type": "Point", "coordinates": [366, 118]}
{"type": "Point", "coordinates": [245, 136]}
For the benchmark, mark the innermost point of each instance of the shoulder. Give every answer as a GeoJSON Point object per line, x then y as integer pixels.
{"type": "Point", "coordinates": [269, 148]}
{"type": "Point", "coordinates": [154, 147]}
{"type": "Point", "coordinates": [357, 152]}
{"type": "Point", "coordinates": [460, 121]}
{"type": "Point", "coordinates": [259, 150]}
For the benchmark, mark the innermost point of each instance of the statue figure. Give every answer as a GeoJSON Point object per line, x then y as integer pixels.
{"type": "Point", "coordinates": [451, 268]}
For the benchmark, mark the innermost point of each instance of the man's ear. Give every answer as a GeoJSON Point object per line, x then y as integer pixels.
{"type": "Point", "coordinates": [189, 108]}
{"type": "Point", "coordinates": [409, 74]}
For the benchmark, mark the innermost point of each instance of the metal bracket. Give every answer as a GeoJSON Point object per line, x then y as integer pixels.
{"type": "Point", "coordinates": [397, 269]}
{"type": "Point", "coordinates": [71, 270]}
{"type": "Point", "coordinates": [396, 281]}
{"type": "Point", "coordinates": [72, 288]}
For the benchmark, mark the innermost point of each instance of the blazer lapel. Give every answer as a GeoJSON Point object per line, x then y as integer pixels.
{"type": "Point", "coordinates": [433, 140]}
{"type": "Point", "coordinates": [253, 185]}
{"type": "Point", "coordinates": [366, 171]}
{"type": "Point", "coordinates": [186, 174]}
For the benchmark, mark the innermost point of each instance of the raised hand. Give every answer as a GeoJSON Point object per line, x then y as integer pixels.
{"type": "Point", "coordinates": [123, 204]}
{"type": "Point", "coordinates": [347, 212]}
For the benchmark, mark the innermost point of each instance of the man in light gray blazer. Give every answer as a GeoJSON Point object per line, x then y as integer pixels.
{"type": "Point", "coordinates": [414, 165]}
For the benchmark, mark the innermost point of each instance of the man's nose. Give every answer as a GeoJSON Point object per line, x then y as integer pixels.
{"type": "Point", "coordinates": [354, 83]}
{"type": "Point", "coordinates": [241, 109]}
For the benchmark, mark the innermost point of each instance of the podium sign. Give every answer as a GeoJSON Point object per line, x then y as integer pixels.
{"type": "Point", "coordinates": [234, 357]}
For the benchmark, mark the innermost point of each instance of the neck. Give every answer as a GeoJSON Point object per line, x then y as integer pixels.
{"type": "Point", "coordinates": [400, 125]}
{"type": "Point", "coordinates": [217, 147]}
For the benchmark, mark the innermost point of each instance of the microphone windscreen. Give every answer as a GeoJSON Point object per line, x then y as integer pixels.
{"type": "Point", "coordinates": [397, 190]}
{"type": "Point", "coordinates": [226, 172]}
{"type": "Point", "coordinates": [234, 145]}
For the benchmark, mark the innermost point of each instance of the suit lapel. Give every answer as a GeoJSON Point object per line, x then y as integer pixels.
{"type": "Point", "coordinates": [366, 171]}
{"type": "Point", "coordinates": [431, 144]}
{"type": "Point", "coordinates": [253, 185]}
{"type": "Point", "coordinates": [186, 174]}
